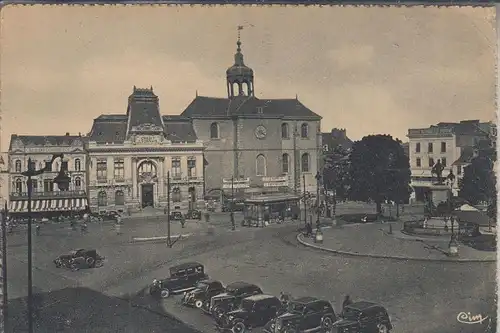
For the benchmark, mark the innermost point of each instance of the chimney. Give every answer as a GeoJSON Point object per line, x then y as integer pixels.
{"type": "Point", "coordinates": [67, 133]}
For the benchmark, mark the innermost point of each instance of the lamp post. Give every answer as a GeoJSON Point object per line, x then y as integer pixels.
{"type": "Point", "coordinates": [62, 180]}
{"type": "Point", "coordinates": [304, 196]}
{"type": "Point", "coordinates": [319, 234]}
{"type": "Point", "coordinates": [169, 241]}
{"type": "Point", "coordinates": [4, 268]}
{"type": "Point", "coordinates": [233, 226]}
{"type": "Point", "coordinates": [453, 245]}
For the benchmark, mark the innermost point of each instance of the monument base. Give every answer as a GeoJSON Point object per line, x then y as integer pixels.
{"type": "Point", "coordinates": [439, 193]}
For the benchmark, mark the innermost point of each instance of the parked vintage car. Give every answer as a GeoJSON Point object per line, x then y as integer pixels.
{"type": "Point", "coordinates": [363, 317]}
{"type": "Point", "coordinates": [203, 292]}
{"type": "Point", "coordinates": [304, 314]}
{"type": "Point", "coordinates": [254, 311]}
{"type": "Point", "coordinates": [231, 298]}
{"type": "Point", "coordinates": [183, 277]}
{"type": "Point", "coordinates": [193, 214]}
{"type": "Point", "coordinates": [78, 259]}
{"type": "Point", "coordinates": [176, 215]}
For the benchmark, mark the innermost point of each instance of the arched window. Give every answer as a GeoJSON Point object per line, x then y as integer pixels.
{"type": "Point", "coordinates": [305, 162]}
{"type": "Point", "coordinates": [176, 194]}
{"type": "Point", "coordinates": [119, 198]}
{"type": "Point", "coordinates": [285, 133]}
{"type": "Point", "coordinates": [18, 166]}
{"type": "Point", "coordinates": [260, 165]}
{"type": "Point", "coordinates": [78, 164]}
{"type": "Point", "coordinates": [19, 186]}
{"type": "Point", "coordinates": [284, 162]}
{"type": "Point", "coordinates": [102, 199]}
{"type": "Point", "coordinates": [304, 130]}
{"type": "Point", "coordinates": [214, 131]}
{"type": "Point", "coordinates": [78, 184]}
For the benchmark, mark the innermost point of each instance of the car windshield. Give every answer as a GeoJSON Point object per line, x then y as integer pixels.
{"type": "Point", "coordinates": [296, 307]}
{"type": "Point", "coordinates": [202, 286]}
{"type": "Point", "coordinates": [247, 305]}
{"type": "Point", "coordinates": [351, 314]}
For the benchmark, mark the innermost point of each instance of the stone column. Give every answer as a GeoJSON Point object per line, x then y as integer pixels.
{"type": "Point", "coordinates": [161, 177]}
{"type": "Point", "coordinates": [134, 178]}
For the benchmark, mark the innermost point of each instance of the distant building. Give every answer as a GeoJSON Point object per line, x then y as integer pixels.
{"type": "Point", "coordinates": [336, 138]}
{"type": "Point", "coordinates": [406, 149]}
{"type": "Point", "coordinates": [454, 144]}
{"type": "Point", "coordinates": [4, 179]}
{"type": "Point", "coordinates": [131, 154]}
{"type": "Point", "coordinates": [47, 198]}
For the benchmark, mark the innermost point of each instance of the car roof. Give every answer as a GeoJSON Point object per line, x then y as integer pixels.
{"type": "Point", "coordinates": [186, 265]}
{"type": "Point", "coordinates": [210, 281]}
{"type": "Point", "coordinates": [260, 297]}
{"type": "Point", "coordinates": [363, 305]}
{"type": "Point", "coordinates": [240, 284]}
{"type": "Point", "coordinates": [305, 300]}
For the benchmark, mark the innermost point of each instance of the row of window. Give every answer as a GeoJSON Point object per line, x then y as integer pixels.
{"type": "Point", "coordinates": [18, 165]}
{"type": "Point", "coordinates": [418, 161]}
{"type": "Point", "coordinates": [285, 131]}
{"type": "Point", "coordinates": [430, 147]}
{"type": "Point", "coordinates": [261, 168]}
{"type": "Point", "coordinates": [102, 197]}
{"type": "Point", "coordinates": [47, 185]}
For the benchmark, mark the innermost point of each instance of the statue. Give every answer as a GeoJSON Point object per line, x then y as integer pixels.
{"type": "Point", "coordinates": [437, 170]}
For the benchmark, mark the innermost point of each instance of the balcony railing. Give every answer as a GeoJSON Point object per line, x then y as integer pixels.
{"type": "Point", "coordinates": [51, 194]}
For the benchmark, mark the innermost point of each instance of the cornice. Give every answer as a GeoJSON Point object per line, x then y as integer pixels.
{"type": "Point", "coordinates": [143, 149]}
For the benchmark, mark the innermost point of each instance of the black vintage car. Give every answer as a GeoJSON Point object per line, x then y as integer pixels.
{"type": "Point", "coordinates": [78, 259]}
{"type": "Point", "coordinates": [193, 214]}
{"type": "Point", "coordinates": [363, 317]}
{"type": "Point", "coordinates": [254, 311]}
{"type": "Point", "coordinates": [183, 277]}
{"type": "Point", "coordinates": [203, 292]}
{"type": "Point", "coordinates": [176, 216]}
{"type": "Point", "coordinates": [230, 299]}
{"type": "Point", "coordinates": [304, 314]}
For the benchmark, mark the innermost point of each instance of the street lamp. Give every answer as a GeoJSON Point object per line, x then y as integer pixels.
{"type": "Point", "coordinates": [233, 226]}
{"type": "Point", "coordinates": [319, 234]}
{"type": "Point", "coordinates": [62, 180]}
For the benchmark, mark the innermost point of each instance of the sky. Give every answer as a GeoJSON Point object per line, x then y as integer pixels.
{"type": "Point", "coordinates": [369, 70]}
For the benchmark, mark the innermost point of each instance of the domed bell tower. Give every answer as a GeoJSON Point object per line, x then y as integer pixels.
{"type": "Point", "coordinates": [239, 77]}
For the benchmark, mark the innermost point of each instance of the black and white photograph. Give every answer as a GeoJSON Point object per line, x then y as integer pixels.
{"type": "Point", "coordinates": [232, 168]}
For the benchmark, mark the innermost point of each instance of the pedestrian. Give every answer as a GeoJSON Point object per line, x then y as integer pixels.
{"type": "Point", "coordinates": [309, 229]}
{"type": "Point", "coordinates": [83, 227]}
{"type": "Point", "coordinates": [118, 229]}
{"type": "Point", "coordinates": [37, 228]}
{"type": "Point", "coordinates": [183, 221]}
{"type": "Point", "coordinates": [118, 219]}
{"type": "Point", "coordinates": [347, 301]}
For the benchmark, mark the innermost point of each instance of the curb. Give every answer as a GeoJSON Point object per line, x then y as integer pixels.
{"type": "Point", "coordinates": [378, 256]}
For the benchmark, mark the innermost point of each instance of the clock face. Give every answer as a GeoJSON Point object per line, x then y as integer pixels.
{"type": "Point", "coordinates": [260, 132]}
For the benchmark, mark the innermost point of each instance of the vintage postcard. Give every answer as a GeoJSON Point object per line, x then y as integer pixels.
{"type": "Point", "coordinates": [228, 168]}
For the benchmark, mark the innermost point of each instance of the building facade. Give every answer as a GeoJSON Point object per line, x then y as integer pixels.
{"type": "Point", "coordinates": [4, 179]}
{"type": "Point", "coordinates": [46, 195]}
{"type": "Point", "coordinates": [130, 157]}
{"type": "Point", "coordinates": [453, 144]}
{"type": "Point", "coordinates": [264, 145]}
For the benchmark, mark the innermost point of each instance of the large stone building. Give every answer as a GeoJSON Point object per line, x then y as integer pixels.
{"type": "Point", "coordinates": [263, 144]}
{"type": "Point", "coordinates": [46, 195]}
{"type": "Point", "coordinates": [131, 154]}
{"type": "Point", "coordinates": [453, 144]}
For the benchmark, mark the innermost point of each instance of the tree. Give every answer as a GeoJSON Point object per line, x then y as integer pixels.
{"type": "Point", "coordinates": [379, 170]}
{"type": "Point", "coordinates": [478, 183]}
{"type": "Point", "coordinates": [336, 172]}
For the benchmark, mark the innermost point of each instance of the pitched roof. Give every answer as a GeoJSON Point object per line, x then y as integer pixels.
{"type": "Point", "coordinates": [206, 107]}
{"type": "Point", "coordinates": [179, 130]}
{"type": "Point", "coordinates": [143, 109]}
{"type": "Point", "coordinates": [465, 157]}
{"type": "Point", "coordinates": [46, 140]}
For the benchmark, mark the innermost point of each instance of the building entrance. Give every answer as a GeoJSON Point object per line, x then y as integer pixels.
{"type": "Point", "coordinates": [147, 195]}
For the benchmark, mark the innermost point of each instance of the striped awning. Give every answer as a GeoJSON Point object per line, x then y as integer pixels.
{"type": "Point", "coordinates": [48, 205]}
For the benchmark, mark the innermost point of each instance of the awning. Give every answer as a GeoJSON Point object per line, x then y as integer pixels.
{"type": "Point", "coordinates": [48, 205]}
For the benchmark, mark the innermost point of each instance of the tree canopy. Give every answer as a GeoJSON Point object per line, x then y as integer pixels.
{"type": "Point", "coordinates": [379, 170]}
{"type": "Point", "coordinates": [336, 172]}
{"type": "Point", "coordinates": [479, 182]}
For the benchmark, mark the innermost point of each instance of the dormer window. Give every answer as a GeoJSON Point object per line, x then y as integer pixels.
{"type": "Point", "coordinates": [214, 131]}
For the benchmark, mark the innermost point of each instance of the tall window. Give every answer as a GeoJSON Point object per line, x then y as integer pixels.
{"type": "Point", "coordinates": [284, 162]}
{"type": "Point", "coordinates": [102, 170]}
{"type": "Point", "coordinates": [19, 186]}
{"type": "Point", "coordinates": [443, 161]}
{"type": "Point", "coordinates": [33, 165]}
{"type": "Point", "coordinates": [285, 133]}
{"type": "Point", "coordinates": [34, 185]}
{"type": "Point", "coordinates": [431, 162]}
{"type": "Point", "coordinates": [305, 162]}
{"type": "Point", "coordinates": [260, 165]}
{"type": "Point", "coordinates": [48, 185]}
{"type": "Point", "coordinates": [419, 162]}
{"type": "Point", "coordinates": [176, 167]}
{"type": "Point", "coordinates": [417, 147]}
{"type": "Point", "coordinates": [119, 198]}
{"type": "Point", "coordinates": [102, 199]}
{"type": "Point", "coordinates": [430, 147]}
{"type": "Point", "coordinates": [48, 165]}
{"type": "Point", "coordinates": [443, 147]}
{"type": "Point", "coordinates": [78, 184]}
{"type": "Point", "coordinates": [304, 130]}
{"type": "Point", "coordinates": [214, 131]}
{"type": "Point", "coordinates": [191, 167]}
{"type": "Point", "coordinates": [176, 194]}
{"type": "Point", "coordinates": [78, 164]}
{"type": "Point", "coordinates": [119, 169]}
{"type": "Point", "coordinates": [64, 165]}
{"type": "Point", "coordinates": [18, 166]}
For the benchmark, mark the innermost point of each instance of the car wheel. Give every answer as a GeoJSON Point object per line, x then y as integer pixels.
{"type": "Point", "coordinates": [218, 312]}
{"type": "Point", "coordinates": [90, 261]}
{"type": "Point", "coordinates": [198, 304]}
{"type": "Point", "coordinates": [238, 327]}
{"type": "Point", "coordinates": [326, 324]}
{"type": "Point", "coordinates": [382, 328]}
{"type": "Point", "coordinates": [165, 293]}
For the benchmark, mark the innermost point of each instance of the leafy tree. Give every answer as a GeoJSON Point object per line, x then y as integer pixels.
{"type": "Point", "coordinates": [379, 171]}
{"type": "Point", "coordinates": [478, 183]}
{"type": "Point", "coordinates": [336, 172]}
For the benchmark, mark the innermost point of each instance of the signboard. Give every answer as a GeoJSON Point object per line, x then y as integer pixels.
{"type": "Point", "coordinates": [275, 181]}
{"type": "Point", "coordinates": [276, 184]}
{"type": "Point", "coordinates": [236, 185]}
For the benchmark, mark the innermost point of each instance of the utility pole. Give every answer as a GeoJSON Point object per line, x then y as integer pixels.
{"type": "Point", "coordinates": [318, 181]}
{"type": "Point", "coordinates": [169, 241]}
{"type": "Point", "coordinates": [232, 204]}
{"type": "Point", "coordinates": [304, 196]}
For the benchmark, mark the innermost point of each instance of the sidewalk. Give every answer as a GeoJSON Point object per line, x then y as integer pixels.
{"type": "Point", "coordinates": [373, 240]}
